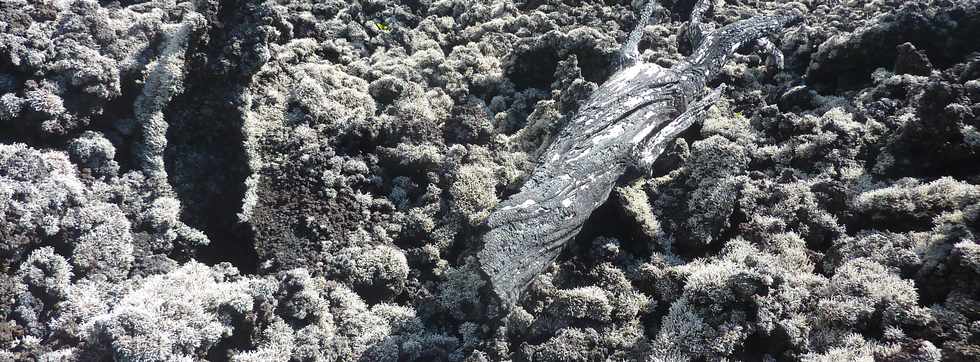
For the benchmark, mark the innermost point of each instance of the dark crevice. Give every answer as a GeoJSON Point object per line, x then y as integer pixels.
{"type": "Point", "coordinates": [759, 344]}
{"type": "Point", "coordinates": [533, 68]}
{"type": "Point", "coordinates": [608, 221]}
{"type": "Point", "coordinates": [596, 67]}
{"type": "Point", "coordinates": [119, 110]}
{"type": "Point", "coordinates": [205, 156]}
{"type": "Point", "coordinates": [897, 224]}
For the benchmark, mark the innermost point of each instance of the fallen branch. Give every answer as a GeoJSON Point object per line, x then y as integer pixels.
{"type": "Point", "coordinates": [626, 123]}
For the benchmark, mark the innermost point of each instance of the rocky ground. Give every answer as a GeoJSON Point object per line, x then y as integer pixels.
{"type": "Point", "coordinates": [306, 181]}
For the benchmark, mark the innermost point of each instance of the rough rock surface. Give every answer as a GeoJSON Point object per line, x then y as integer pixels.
{"type": "Point", "coordinates": [309, 180]}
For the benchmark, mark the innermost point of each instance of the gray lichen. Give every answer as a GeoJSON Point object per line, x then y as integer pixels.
{"type": "Point", "coordinates": [288, 180]}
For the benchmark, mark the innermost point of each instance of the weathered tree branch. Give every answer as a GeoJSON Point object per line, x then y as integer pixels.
{"type": "Point", "coordinates": [630, 52]}
{"type": "Point", "coordinates": [628, 120]}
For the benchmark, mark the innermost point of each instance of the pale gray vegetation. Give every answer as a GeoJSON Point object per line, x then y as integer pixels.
{"type": "Point", "coordinates": [489, 180]}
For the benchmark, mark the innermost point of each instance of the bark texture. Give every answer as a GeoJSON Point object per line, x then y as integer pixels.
{"type": "Point", "coordinates": [629, 118]}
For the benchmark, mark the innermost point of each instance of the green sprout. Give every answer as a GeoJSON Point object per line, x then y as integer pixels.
{"type": "Point", "coordinates": [383, 26]}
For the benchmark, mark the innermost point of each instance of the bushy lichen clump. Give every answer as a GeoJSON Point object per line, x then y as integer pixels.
{"type": "Point", "coordinates": [836, 221]}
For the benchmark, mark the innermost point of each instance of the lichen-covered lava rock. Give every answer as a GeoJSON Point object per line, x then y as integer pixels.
{"type": "Point", "coordinates": [298, 180]}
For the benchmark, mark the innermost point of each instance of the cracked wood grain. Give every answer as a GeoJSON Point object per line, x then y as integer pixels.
{"type": "Point", "coordinates": [626, 122]}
